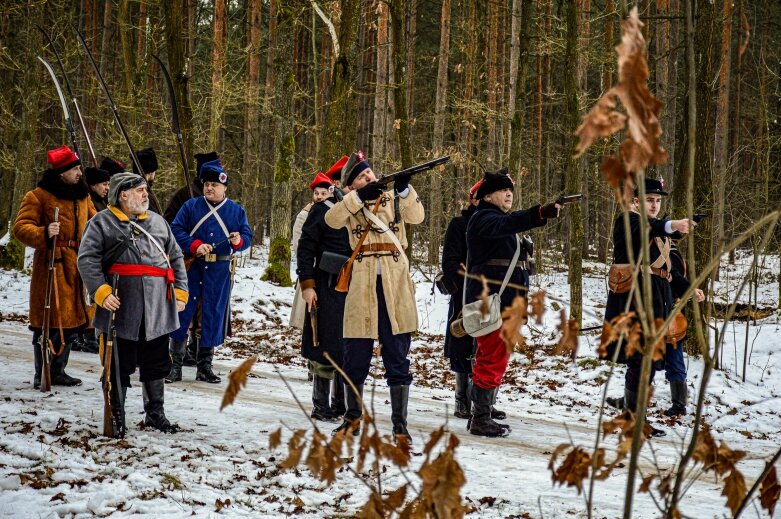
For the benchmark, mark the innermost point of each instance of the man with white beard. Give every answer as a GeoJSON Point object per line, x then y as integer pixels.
{"type": "Point", "coordinates": [138, 245]}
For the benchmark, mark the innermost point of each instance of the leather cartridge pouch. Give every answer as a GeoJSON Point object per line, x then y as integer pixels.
{"type": "Point", "coordinates": [619, 278]}
{"type": "Point", "coordinates": [677, 330]}
{"type": "Point", "coordinates": [332, 262]}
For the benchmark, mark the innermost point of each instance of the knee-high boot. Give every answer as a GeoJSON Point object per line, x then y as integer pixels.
{"type": "Point", "coordinates": [205, 373]}
{"type": "Point", "coordinates": [481, 423]}
{"type": "Point", "coordinates": [463, 404]}
{"type": "Point", "coordinates": [630, 403]}
{"type": "Point", "coordinates": [496, 414]}
{"type": "Point", "coordinates": [354, 409]}
{"type": "Point", "coordinates": [399, 401]}
{"type": "Point", "coordinates": [321, 389]}
{"type": "Point", "coordinates": [679, 394]}
{"type": "Point", "coordinates": [338, 406]}
{"type": "Point", "coordinates": [154, 400]}
{"type": "Point", "coordinates": [177, 359]}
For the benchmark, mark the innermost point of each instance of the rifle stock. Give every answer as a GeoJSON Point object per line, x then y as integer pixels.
{"type": "Point", "coordinates": [343, 283]}
{"type": "Point", "coordinates": [45, 341]}
{"type": "Point", "coordinates": [108, 354]}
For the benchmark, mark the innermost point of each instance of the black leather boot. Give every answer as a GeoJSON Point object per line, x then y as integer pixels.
{"type": "Point", "coordinates": [205, 373]}
{"type": "Point", "coordinates": [496, 414]}
{"type": "Point", "coordinates": [615, 401]}
{"type": "Point", "coordinates": [354, 410]}
{"type": "Point", "coordinates": [462, 396]}
{"type": "Point", "coordinates": [177, 358]}
{"type": "Point", "coordinates": [338, 406]}
{"type": "Point", "coordinates": [59, 377]}
{"type": "Point", "coordinates": [118, 411]}
{"type": "Point", "coordinates": [191, 352]}
{"type": "Point", "coordinates": [154, 400]}
{"type": "Point", "coordinates": [679, 394]}
{"type": "Point", "coordinates": [481, 423]}
{"type": "Point", "coordinates": [399, 397]}
{"type": "Point", "coordinates": [89, 342]}
{"type": "Point", "coordinates": [321, 410]}
{"type": "Point", "coordinates": [630, 401]}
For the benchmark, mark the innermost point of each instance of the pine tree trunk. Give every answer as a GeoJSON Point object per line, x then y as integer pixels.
{"type": "Point", "coordinates": [398, 9]}
{"type": "Point", "coordinates": [440, 105]}
{"type": "Point", "coordinates": [517, 101]}
{"type": "Point", "coordinates": [104, 46]}
{"type": "Point", "coordinates": [342, 103]}
{"type": "Point", "coordinates": [252, 122]}
{"type": "Point", "coordinates": [721, 148]}
{"type": "Point", "coordinates": [219, 25]}
{"type": "Point", "coordinates": [493, 87]}
{"type": "Point", "coordinates": [278, 270]}
{"type": "Point", "coordinates": [573, 180]}
{"type": "Point", "coordinates": [381, 111]}
{"type": "Point", "coordinates": [125, 38]}
{"type": "Point", "coordinates": [176, 41]}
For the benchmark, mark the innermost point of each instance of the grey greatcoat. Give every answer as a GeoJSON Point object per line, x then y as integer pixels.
{"type": "Point", "coordinates": [140, 297]}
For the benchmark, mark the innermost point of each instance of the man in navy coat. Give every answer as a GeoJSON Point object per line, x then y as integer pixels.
{"type": "Point", "coordinates": [212, 228]}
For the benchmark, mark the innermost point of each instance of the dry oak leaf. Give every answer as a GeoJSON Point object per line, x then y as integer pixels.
{"type": "Point", "coordinates": [602, 120]}
{"type": "Point", "coordinates": [485, 308]}
{"type": "Point", "coordinates": [568, 344]}
{"type": "Point", "coordinates": [645, 486]}
{"type": "Point", "coordinates": [275, 439]}
{"type": "Point", "coordinates": [735, 490]}
{"type": "Point", "coordinates": [573, 470]}
{"type": "Point", "coordinates": [537, 304]}
{"type": "Point", "coordinates": [237, 379]}
{"type": "Point", "coordinates": [513, 318]}
{"type": "Point", "coordinates": [770, 491]}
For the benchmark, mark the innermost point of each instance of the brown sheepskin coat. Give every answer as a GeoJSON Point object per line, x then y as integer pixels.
{"type": "Point", "coordinates": [35, 214]}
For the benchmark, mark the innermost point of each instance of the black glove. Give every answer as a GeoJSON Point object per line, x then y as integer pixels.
{"type": "Point", "coordinates": [549, 211]}
{"type": "Point", "coordinates": [370, 191]}
{"type": "Point", "coordinates": [401, 182]}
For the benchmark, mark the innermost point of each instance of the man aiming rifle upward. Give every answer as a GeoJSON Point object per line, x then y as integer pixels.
{"type": "Point", "coordinates": [380, 302]}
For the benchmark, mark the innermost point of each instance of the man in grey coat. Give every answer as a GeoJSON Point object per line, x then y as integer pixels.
{"type": "Point", "coordinates": [138, 245]}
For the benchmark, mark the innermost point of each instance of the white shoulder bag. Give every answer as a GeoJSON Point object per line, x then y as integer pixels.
{"type": "Point", "coordinates": [474, 321]}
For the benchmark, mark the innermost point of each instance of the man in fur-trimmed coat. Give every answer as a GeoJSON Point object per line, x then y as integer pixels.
{"type": "Point", "coordinates": [62, 186]}
{"type": "Point", "coordinates": [380, 301]}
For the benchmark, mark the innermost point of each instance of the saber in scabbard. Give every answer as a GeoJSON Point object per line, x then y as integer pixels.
{"type": "Point", "coordinates": [175, 127]}
{"type": "Point", "coordinates": [72, 98]}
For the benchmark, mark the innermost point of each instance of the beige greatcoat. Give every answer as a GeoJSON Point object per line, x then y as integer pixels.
{"type": "Point", "coordinates": [360, 309]}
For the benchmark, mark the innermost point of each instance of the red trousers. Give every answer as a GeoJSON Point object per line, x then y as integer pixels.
{"type": "Point", "coordinates": [490, 361]}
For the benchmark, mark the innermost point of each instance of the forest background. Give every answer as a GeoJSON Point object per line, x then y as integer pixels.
{"type": "Point", "coordinates": [282, 89]}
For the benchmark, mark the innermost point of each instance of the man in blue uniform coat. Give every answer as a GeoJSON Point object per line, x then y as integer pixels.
{"type": "Point", "coordinates": [212, 228]}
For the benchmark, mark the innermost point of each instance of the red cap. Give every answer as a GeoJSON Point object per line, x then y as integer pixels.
{"type": "Point", "coordinates": [335, 172]}
{"type": "Point", "coordinates": [62, 159]}
{"type": "Point", "coordinates": [473, 189]}
{"type": "Point", "coordinates": [321, 181]}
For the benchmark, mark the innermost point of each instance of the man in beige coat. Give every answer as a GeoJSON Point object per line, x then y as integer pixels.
{"type": "Point", "coordinates": [380, 301]}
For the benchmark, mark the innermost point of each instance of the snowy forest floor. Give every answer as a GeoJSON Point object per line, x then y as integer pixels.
{"type": "Point", "coordinates": [53, 461]}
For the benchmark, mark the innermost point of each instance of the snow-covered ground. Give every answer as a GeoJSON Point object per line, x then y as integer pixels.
{"type": "Point", "coordinates": [53, 461]}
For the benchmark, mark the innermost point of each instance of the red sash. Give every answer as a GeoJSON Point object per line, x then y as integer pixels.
{"type": "Point", "coordinates": [135, 269]}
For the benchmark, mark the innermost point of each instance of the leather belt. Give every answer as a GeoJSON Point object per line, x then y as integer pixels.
{"type": "Point", "coordinates": [211, 258]}
{"type": "Point", "coordinates": [74, 244]}
{"type": "Point", "coordinates": [661, 273]}
{"type": "Point", "coordinates": [523, 265]}
{"type": "Point", "coordinates": [378, 247]}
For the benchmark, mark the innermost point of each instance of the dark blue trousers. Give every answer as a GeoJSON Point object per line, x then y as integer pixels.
{"type": "Point", "coordinates": [393, 349]}
{"type": "Point", "coordinates": [674, 367]}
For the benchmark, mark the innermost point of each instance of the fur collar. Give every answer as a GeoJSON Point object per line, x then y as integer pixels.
{"type": "Point", "coordinates": [52, 183]}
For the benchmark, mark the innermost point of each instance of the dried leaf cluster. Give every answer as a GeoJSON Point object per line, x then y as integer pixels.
{"type": "Point", "coordinates": [236, 381]}
{"type": "Point", "coordinates": [641, 146]}
{"type": "Point", "coordinates": [517, 315]}
{"type": "Point", "coordinates": [441, 477]}
{"type": "Point", "coordinates": [722, 460]}
{"type": "Point", "coordinates": [579, 463]}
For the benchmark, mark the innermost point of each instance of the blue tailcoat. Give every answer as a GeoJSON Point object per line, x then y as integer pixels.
{"type": "Point", "coordinates": [209, 282]}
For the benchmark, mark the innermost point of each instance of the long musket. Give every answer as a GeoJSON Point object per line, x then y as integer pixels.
{"type": "Point", "coordinates": [65, 112]}
{"type": "Point", "coordinates": [114, 110]}
{"type": "Point", "coordinates": [412, 170]}
{"type": "Point", "coordinates": [175, 127]}
{"type": "Point", "coordinates": [45, 341]}
{"type": "Point", "coordinates": [108, 359]}
{"type": "Point", "coordinates": [72, 98]}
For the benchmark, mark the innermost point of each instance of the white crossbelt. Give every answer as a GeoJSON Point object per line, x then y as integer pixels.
{"type": "Point", "coordinates": [153, 240]}
{"type": "Point", "coordinates": [212, 211]}
{"type": "Point", "coordinates": [383, 228]}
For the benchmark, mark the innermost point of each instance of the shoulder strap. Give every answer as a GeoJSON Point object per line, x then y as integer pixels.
{"type": "Point", "coordinates": [383, 227]}
{"type": "Point", "coordinates": [511, 268]}
{"type": "Point", "coordinates": [153, 240]}
{"type": "Point", "coordinates": [507, 275]}
{"type": "Point", "coordinates": [212, 211]}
